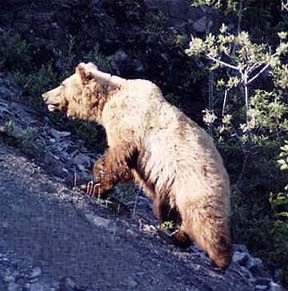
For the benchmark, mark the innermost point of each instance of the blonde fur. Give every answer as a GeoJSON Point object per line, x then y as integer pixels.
{"type": "Point", "coordinates": [174, 160]}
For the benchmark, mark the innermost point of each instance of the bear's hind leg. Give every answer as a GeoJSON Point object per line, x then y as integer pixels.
{"type": "Point", "coordinates": [210, 231]}
{"type": "Point", "coordinates": [180, 238]}
{"type": "Point", "coordinates": [163, 211]}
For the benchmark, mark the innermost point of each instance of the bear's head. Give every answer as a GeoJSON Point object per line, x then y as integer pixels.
{"type": "Point", "coordinates": [84, 94]}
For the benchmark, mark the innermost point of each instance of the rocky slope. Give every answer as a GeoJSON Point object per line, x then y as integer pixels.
{"type": "Point", "coordinates": [56, 238]}
{"type": "Point", "coordinates": [52, 237]}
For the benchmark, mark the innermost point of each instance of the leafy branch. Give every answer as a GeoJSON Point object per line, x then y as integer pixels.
{"type": "Point", "coordinates": [246, 60]}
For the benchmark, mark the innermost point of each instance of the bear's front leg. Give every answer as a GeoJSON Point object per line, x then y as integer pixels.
{"type": "Point", "coordinates": [109, 170]}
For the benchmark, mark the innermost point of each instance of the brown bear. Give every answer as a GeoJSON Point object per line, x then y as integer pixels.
{"type": "Point", "coordinates": [169, 156]}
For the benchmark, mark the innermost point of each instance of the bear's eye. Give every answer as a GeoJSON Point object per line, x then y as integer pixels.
{"type": "Point", "coordinates": [89, 77]}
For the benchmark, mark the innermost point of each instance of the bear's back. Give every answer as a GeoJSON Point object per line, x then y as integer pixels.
{"type": "Point", "coordinates": [171, 146]}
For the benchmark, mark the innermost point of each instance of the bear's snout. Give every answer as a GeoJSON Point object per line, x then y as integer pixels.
{"type": "Point", "coordinates": [45, 97]}
{"type": "Point", "coordinates": [52, 99]}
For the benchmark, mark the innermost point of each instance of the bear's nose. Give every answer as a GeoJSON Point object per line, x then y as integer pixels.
{"type": "Point", "coordinates": [44, 96]}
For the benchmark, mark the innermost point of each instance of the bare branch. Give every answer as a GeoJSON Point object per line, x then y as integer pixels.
{"type": "Point", "coordinates": [259, 73]}
{"type": "Point", "coordinates": [240, 16]}
{"type": "Point", "coordinates": [222, 63]}
{"type": "Point", "coordinates": [224, 101]}
{"type": "Point", "coordinates": [211, 90]}
{"type": "Point", "coordinates": [284, 6]}
{"type": "Point", "coordinates": [254, 67]}
{"type": "Point", "coordinates": [246, 100]}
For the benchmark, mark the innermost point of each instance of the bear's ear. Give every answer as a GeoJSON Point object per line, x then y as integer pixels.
{"type": "Point", "coordinates": [86, 71]}
{"type": "Point", "coordinates": [90, 71]}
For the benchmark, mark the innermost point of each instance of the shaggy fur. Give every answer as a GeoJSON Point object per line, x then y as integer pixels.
{"type": "Point", "coordinates": [167, 154]}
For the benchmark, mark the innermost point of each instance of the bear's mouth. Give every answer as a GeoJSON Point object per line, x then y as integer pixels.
{"type": "Point", "coordinates": [52, 107]}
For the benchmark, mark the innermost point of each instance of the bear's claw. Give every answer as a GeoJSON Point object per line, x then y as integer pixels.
{"type": "Point", "coordinates": [93, 189]}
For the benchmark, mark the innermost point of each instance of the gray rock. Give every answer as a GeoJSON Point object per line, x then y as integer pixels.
{"type": "Point", "coordinates": [99, 221]}
{"type": "Point", "coordinates": [240, 258]}
{"type": "Point", "coordinates": [257, 262]}
{"type": "Point", "coordinates": [131, 283]}
{"type": "Point", "coordinates": [247, 274]}
{"type": "Point", "coordinates": [274, 287]}
{"type": "Point", "coordinates": [39, 287]}
{"type": "Point", "coordinates": [82, 161]}
{"type": "Point", "coordinates": [13, 287]}
{"type": "Point", "coordinates": [8, 90]}
{"type": "Point", "coordinates": [241, 248]}
{"type": "Point", "coordinates": [263, 281]}
{"type": "Point", "coordinates": [56, 148]}
{"type": "Point", "coordinates": [202, 25]}
{"type": "Point", "coordinates": [261, 287]}
{"type": "Point", "coordinates": [255, 265]}
{"type": "Point", "coordinates": [36, 272]}
{"type": "Point", "coordinates": [68, 284]}
{"type": "Point", "coordinates": [59, 134]}
{"type": "Point", "coordinates": [9, 278]}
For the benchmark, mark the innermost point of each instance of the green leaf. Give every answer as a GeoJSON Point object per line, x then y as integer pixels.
{"type": "Point", "coordinates": [223, 28]}
{"type": "Point", "coordinates": [284, 167]}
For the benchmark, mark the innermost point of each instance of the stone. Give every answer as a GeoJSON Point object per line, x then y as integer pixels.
{"type": "Point", "coordinates": [8, 90]}
{"type": "Point", "coordinates": [255, 266]}
{"type": "Point", "coordinates": [241, 248]}
{"type": "Point", "coordinates": [39, 287]}
{"type": "Point", "coordinates": [59, 134]}
{"type": "Point", "coordinates": [261, 287]}
{"type": "Point", "coordinates": [9, 278]}
{"type": "Point", "coordinates": [240, 258]}
{"type": "Point", "coordinates": [263, 281]}
{"type": "Point", "coordinates": [99, 221]}
{"type": "Point", "coordinates": [68, 284]}
{"type": "Point", "coordinates": [36, 272]}
{"type": "Point", "coordinates": [81, 160]}
{"type": "Point", "coordinates": [13, 287]}
{"type": "Point", "coordinates": [247, 274]}
{"type": "Point", "coordinates": [202, 25]}
{"type": "Point", "coordinates": [274, 287]}
{"type": "Point", "coordinates": [131, 283]}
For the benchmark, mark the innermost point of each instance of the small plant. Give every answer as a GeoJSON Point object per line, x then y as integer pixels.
{"type": "Point", "coordinates": [31, 144]}
{"type": "Point", "coordinates": [33, 84]}
{"type": "Point", "coordinates": [67, 56]}
{"type": "Point", "coordinates": [95, 56]}
{"type": "Point", "coordinates": [267, 113]}
{"type": "Point", "coordinates": [228, 7]}
{"type": "Point", "coordinates": [28, 140]}
{"type": "Point", "coordinates": [167, 225]}
{"type": "Point", "coordinates": [14, 51]}
{"type": "Point", "coordinates": [279, 204]}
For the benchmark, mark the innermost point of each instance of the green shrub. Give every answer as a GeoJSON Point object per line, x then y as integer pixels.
{"type": "Point", "coordinates": [14, 51]}
{"type": "Point", "coordinates": [250, 125]}
{"type": "Point", "coordinates": [34, 83]}
{"type": "Point", "coordinates": [28, 140]}
{"type": "Point", "coordinates": [97, 57]}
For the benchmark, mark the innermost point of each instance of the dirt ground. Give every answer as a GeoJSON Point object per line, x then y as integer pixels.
{"type": "Point", "coordinates": [62, 233]}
